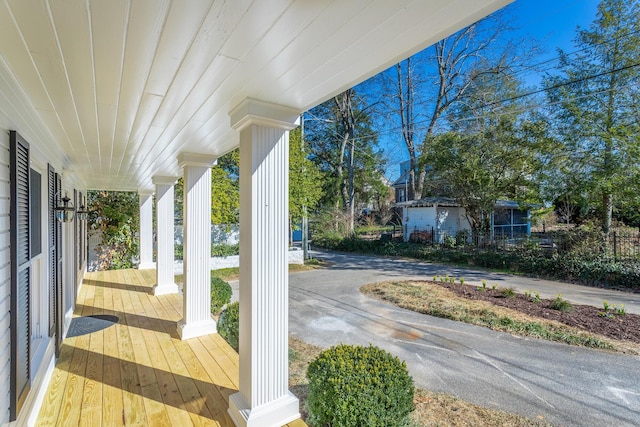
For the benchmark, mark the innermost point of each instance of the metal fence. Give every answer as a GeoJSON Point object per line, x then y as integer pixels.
{"type": "Point", "coordinates": [619, 245]}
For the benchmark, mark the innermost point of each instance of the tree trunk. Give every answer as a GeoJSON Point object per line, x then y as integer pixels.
{"type": "Point", "coordinates": [607, 214]}
{"type": "Point", "coordinates": [347, 186]}
{"type": "Point", "coordinates": [352, 187]}
{"type": "Point", "coordinates": [405, 89]}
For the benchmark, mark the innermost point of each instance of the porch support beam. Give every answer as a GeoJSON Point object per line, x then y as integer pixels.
{"type": "Point", "coordinates": [263, 399]}
{"type": "Point", "coordinates": [146, 229]}
{"type": "Point", "coordinates": [165, 282]}
{"type": "Point", "coordinates": [197, 320]}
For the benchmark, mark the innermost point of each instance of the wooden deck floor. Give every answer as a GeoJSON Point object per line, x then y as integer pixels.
{"type": "Point", "coordinates": [137, 371]}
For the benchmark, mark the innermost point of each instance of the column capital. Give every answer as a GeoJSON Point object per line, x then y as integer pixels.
{"type": "Point", "coordinates": [164, 180]}
{"type": "Point", "coordinates": [145, 192]}
{"type": "Point", "coordinates": [196, 159]}
{"type": "Point", "coordinates": [255, 112]}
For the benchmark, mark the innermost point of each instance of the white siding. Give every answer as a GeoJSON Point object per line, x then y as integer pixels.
{"type": "Point", "coordinates": [463, 223]}
{"type": "Point", "coordinates": [424, 218]}
{"type": "Point", "coordinates": [421, 219]}
{"type": "Point", "coordinates": [4, 277]}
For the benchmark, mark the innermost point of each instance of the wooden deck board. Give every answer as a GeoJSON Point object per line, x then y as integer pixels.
{"type": "Point", "coordinates": [138, 371]}
{"type": "Point", "coordinates": [73, 394]}
{"type": "Point", "coordinates": [112, 404]}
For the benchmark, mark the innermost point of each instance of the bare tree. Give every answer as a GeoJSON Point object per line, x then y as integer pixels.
{"type": "Point", "coordinates": [406, 93]}
{"type": "Point", "coordinates": [342, 143]}
{"type": "Point", "coordinates": [425, 87]}
{"type": "Point", "coordinates": [347, 187]}
{"type": "Point", "coordinates": [566, 210]}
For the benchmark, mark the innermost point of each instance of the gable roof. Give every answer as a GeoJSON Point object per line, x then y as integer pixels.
{"type": "Point", "coordinates": [451, 202]}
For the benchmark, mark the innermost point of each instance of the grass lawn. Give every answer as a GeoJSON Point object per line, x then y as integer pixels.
{"type": "Point", "coordinates": [435, 300]}
{"type": "Point", "coordinates": [233, 273]}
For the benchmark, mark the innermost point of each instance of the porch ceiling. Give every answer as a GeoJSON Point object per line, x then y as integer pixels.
{"type": "Point", "coordinates": [122, 86]}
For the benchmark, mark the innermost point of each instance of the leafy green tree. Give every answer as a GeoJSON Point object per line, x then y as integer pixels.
{"type": "Point", "coordinates": [225, 199]}
{"type": "Point", "coordinates": [595, 100]}
{"type": "Point", "coordinates": [496, 151]}
{"type": "Point", "coordinates": [343, 146]}
{"type": "Point", "coordinates": [480, 169]}
{"type": "Point", "coordinates": [225, 191]}
{"type": "Point", "coordinates": [305, 180]}
{"type": "Point", "coordinates": [116, 214]}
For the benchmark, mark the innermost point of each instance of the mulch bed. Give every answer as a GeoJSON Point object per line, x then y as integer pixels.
{"type": "Point", "coordinates": [584, 317]}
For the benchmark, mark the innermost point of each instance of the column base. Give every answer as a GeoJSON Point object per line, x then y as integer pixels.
{"type": "Point", "coordinates": [273, 414]}
{"type": "Point", "coordinates": [146, 265]}
{"type": "Point", "coordinates": [169, 288]}
{"type": "Point", "coordinates": [196, 329]}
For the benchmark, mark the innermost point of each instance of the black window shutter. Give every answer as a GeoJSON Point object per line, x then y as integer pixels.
{"type": "Point", "coordinates": [20, 273]}
{"type": "Point", "coordinates": [51, 232]}
{"type": "Point", "coordinates": [58, 293]}
{"type": "Point", "coordinates": [76, 252]}
{"type": "Point", "coordinates": [76, 230]}
{"type": "Point", "coordinates": [83, 234]}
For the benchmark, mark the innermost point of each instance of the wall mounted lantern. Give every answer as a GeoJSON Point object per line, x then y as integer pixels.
{"type": "Point", "coordinates": [82, 213]}
{"type": "Point", "coordinates": [66, 212]}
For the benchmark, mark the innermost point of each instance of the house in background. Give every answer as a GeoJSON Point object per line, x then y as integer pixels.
{"type": "Point", "coordinates": [439, 215]}
{"type": "Point", "coordinates": [401, 185]}
{"type": "Point", "coordinates": [375, 202]}
{"type": "Point", "coordinates": [432, 219]}
{"type": "Point", "coordinates": [129, 95]}
{"type": "Point", "coordinates": [510, 220]}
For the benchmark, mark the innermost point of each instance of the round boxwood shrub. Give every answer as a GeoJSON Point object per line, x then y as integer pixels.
{"type": "Point", "coordinates": [228, 324]}
{"type": "Point", "coordinates": [220, 294]}
{"type": "Point", "coordinates": [359, 386]}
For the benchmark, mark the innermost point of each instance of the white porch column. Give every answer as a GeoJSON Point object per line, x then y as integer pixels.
{"type": "Point", "coordinates": [146, 229]}
{"type": "Point", "coordinates": [165, 283]}
{"type": "Point", "coordinates": [196, 309]}
{"type": "Point", "coordinates": [264, 399]}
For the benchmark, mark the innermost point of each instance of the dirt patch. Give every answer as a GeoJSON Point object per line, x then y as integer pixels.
{"type": "Point", "coordinates": [443, 410]}
{"type": "Point", "coordinates": [585, 317]}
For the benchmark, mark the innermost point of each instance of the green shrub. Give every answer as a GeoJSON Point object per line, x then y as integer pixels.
{"type": "Point", "coordinates": [228, 324]}
{"type": "Point", "coordinates": [359, 386]}
{"type": "Point", "coordinates": [449, 241]}
{"type": "Point", "coordinates": [116, 215]}
{"type": "Point", "coordinates": [596, 269]}
{"type": "Point", "coordinates": [533, 296]}
{"type": "Point", "coordinates": [224, 249]}
{"type": "Point", "coordinates": [508, 293]}
{"type": "Point", "coordinates": [220, 294]}
{"type": "Point", "coordinates": [178, 251]}
{"type": "Point", "coordinates": [462, 236]}
{"type": "Point", "coordinates": [560, 304]}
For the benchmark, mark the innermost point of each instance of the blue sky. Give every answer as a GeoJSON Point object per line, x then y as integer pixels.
{"type": "Point", "coordinates": [551, 22]}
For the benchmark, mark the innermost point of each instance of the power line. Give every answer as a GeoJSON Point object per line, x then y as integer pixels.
{"type": "Point", "coordinates": [395, 129]}
{"type": "Point", "coordinates": [559, 85]}
{"type": "Point", "coordinates": [575, 52]}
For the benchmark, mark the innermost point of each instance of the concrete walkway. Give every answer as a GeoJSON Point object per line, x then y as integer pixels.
{"type": "Point", "coordinates": [562, 384]}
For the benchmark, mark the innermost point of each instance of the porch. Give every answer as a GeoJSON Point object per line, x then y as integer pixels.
{"type": "Point", "coordinates": [137, 370]}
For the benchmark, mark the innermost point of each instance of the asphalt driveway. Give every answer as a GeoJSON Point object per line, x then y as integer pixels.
{"type": "Point", "coordinates": [565, 385]}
